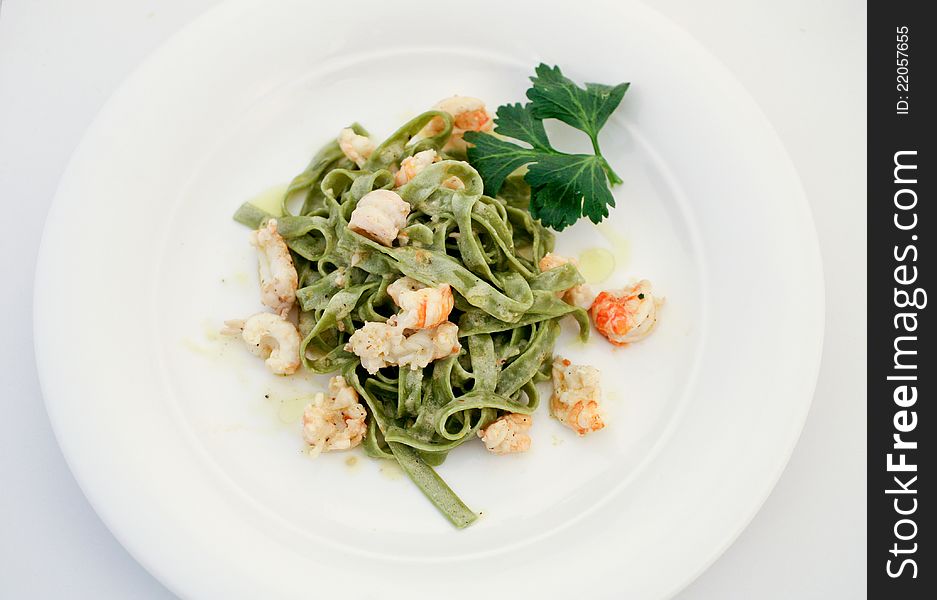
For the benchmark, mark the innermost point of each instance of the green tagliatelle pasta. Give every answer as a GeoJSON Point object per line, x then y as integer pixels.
{"type": "Point", "coordinates": [486, 248]}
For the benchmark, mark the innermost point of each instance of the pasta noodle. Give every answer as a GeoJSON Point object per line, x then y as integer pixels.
{"type": "Point", "coordinates": [486, 248]}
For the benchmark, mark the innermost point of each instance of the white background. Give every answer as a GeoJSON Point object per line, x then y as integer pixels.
{"type": "Point", "coordinates": [802, 60]}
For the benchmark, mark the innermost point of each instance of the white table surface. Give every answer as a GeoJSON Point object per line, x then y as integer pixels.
{"type": "Point", "coordinates": [802, 60]}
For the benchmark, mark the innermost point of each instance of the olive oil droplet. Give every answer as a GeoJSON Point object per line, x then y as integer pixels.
{"type": "Point", "coordinates": [596, 264]}
{"type": "Point", "coordinates": [270, 200]}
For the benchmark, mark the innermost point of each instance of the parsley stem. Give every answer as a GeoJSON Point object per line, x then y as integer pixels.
{"type": "Point", "coordinates": [595, 144]}
{"type": "Point", "coordinates": [613, 177]}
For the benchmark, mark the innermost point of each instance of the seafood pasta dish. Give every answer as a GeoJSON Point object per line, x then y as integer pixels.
{"type": "Point", "coordinates": [423, 275]}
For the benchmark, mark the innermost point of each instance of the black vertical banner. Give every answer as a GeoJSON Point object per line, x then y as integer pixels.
{"type": "Point", "coordinates": [902, 370]}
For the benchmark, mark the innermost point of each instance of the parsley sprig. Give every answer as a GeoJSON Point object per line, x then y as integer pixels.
{"type": "Point", "coordinates": [564, 187]}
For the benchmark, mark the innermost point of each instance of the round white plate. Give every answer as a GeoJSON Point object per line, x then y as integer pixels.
{"type": "Point", "coordinates": [190, 450]}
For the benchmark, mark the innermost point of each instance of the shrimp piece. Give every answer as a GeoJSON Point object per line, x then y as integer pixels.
{"type": "Point", "coordinates": [413, 165]}
{"type": "Point", "coordinates": [627, 315]}
{"type": "Point", "coordinates": [453, 183]}
{"type": "Point", "coordinates": [270, 337]}
{"type": "Point", "coordinates": [580, 295]}
{"type": "Point", "coordinates": [576, 395]}
{"type": "Point", "coordinates": [468, 114]}
{"type": "Point", "coordinates": [336, 421]}
{"type": "Point", "coordinates": [422, 306]}
{"type": "Point", "coordinates": [426, 345]}
{"type": "Point", "coordinates": [507, 434]}
{"type": "Point", "coordinates": [384, 344]}
{"type": "Point", "coordinates": [357, 148]}
{"type": "Point", "coordinates": [380, 215]}
{"type": "Point", "coordinates": [376, 344]}
{"type": "Point", "coordinates": [278, 279]}
{"type": "Point", "coordinates": [551, 261]}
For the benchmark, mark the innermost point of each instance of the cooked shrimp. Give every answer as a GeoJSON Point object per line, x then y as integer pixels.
{"type": "Point", "coordinates": [453, 183]}
{"type": "Point", "coordinates": [426, 345]}
{"type": "Point", "coordinates": [580, 295]}
{"type": "Point", "coordinates": [270, 337]}
{"type": "Point", "coordinates": [576, 395]}
{"type": "Point", "coordinates": [357, 148]}
{"type": "Point", "coordinates": [413, 165]}
{"type": "Point", "coordinates": [468, 114]}
{"type": "Point", "coordinates": [380, 215]}
{"type": "Point", "coordinates": [384, 344]}
{"type": "Point", "coordinates": [507, 434]}
{"type": "Point", "coordinates": [422, 306]}
{"type": "Point", "coordinates": [278, 279]}
{"type": "Point", "coordinates": [336, 421]}
{"type": "Point", "coordinates": [551, 261]}
{"type": "Point", "coordinates": [627, 315]}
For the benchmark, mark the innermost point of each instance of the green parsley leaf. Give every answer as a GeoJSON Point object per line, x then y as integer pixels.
{"type": "Point", "coordinates": [576, 181]}
{"type": "Point", "coordinates": [518, 121]}
{"type": "Point", "coordinates": [564, 187]}
{"type": "Point", "coordinates": [555, 96]}
{"type": "Point", "coordinates": [496, 158]}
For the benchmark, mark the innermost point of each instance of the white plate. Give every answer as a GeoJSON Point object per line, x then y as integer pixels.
{"type": "Point", "coordinates": [202, 477]}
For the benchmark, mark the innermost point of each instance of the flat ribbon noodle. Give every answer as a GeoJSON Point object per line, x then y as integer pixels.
{"type": "Point", "coordinates": [487, 249]}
